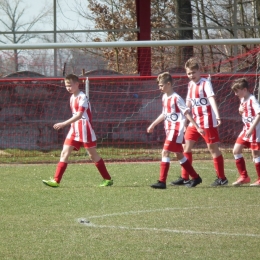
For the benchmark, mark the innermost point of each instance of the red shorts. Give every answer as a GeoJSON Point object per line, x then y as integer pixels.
{"type": "Point", "coordinates": [172, 147]}
{"type": "Point", "coordinates": [77, 144]}
{"type": "Point", "coordinates": [210, 136]}
{"type": "Point", "coordinates": [252, 145]}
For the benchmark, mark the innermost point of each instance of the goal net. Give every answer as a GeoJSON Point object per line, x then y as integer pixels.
{"type": "Point", "coordinates": [123, 102]}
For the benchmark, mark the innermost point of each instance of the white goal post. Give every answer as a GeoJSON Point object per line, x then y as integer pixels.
{"type": "Point", "coordinates": [130, 44]}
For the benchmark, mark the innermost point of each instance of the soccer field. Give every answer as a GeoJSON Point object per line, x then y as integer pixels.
{"type": "Point", "coordinates": [129, 220]}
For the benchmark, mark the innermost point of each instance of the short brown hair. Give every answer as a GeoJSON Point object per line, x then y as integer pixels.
{"type": "Point", "coordinates": [72, 77]}
{"type": "Point", "coordinates": [165, 77]}
{"type": "Point", "coordinates": [192, 63]}
{"type": "Point", "coordinates": [240, 84]}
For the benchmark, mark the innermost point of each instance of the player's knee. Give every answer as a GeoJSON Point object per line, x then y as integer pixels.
{"type": "Point", "coordinates": [64, 155]}
{"type": "Point", "coordinates": [165, 153]}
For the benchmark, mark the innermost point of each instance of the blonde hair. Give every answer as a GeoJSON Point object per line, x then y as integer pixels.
{"type": "Point", "coordinates": [164, 78]}
{"type": "Point", "coordinates": [192, 63]}
{"type": "Point", "coordinates": [240, 84]}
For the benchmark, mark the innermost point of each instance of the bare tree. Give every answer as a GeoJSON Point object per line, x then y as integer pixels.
{"type": "Point", "coordinates": [12, 20]}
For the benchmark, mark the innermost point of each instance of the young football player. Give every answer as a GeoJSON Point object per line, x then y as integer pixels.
{"type": "Point", "coordinates": [250, 134]}
{"type": "Point", "coordinates": [201, 100]}
{"type": "Point", "coordinates": [80, 134]}
{"type": "Point", "coordinates": [174, 112]}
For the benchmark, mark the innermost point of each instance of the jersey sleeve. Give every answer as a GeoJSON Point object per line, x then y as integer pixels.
{"type": "Point", "coordinates": [209, 89]}
{"type": "Point", "coordinates": [182, 106]}
{"type": "Point", "coordinates": [83, 103]}
{"type": "Point", "coordinates": [188, 94]}
{"type": "Point", "coordinates": [256, 105]}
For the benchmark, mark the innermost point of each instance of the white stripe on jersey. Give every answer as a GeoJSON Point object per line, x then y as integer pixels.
{"type": "Point", "coordinates": [81, 130]}
{"type": "Point", "coordinates": [251, 109]}
{"type": "Point", "coordinates": [202, 112]}
{"type": "Point", "coordinates": [173, 110]}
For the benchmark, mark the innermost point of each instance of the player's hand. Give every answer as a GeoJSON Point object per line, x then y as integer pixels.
{"type": "Point", "coordinates": [58, 126]}
{"type": "Point", "coordinates": [241, 109]}
{"type": "Point", "coordinates": [150, 129]}
{"type": "Point", "coordinates": [219, 122]}
{"type": "Point", "coordinates": [201, 131]}
{"type": "Point", "coordinates": [248, 133]}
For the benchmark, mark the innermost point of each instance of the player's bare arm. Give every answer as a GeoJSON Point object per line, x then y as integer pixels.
{"type": "Point", "coordinates": [253, 126]}
{"type": "Point", "coordinates": [214, 106]}
{"type": "Point", "coordinates": [158, 120]}
{"type": "Point", "coordinates": [189, 117]}
{"type": "Point", "coordinates": [69, 121]}
{"type": "Point", "coordinates": [186, 123]}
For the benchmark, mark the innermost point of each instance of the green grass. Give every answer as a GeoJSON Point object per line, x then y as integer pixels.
{"type": "Point", "coordinates": [110, 153]}
{"type": "Point", "coordinates": [128, 220]}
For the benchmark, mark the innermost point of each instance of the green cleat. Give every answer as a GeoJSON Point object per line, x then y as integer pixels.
{"type": "Point", "coordinates": [106, 183]}
{"type": "Point", "coordinates": [51, 182]}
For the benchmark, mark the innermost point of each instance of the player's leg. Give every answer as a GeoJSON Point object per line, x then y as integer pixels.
{"type": "Point", "coordinates": [256, 156]}
{"type": "Point", "coordinates": [211, 138]}
{"type": "Point", "coordinates": [61, 166]}
{"type": "Point", "coordinates": [164, 169]}
{"type": "Point", "coordinates": [240, 164]}
{"type": "Point", "coordinates": [100, 164]}
{"type": "Point", "coordinates": [218, 162]}
{"type": "Point", "coordinates": [191, 137]}
{"type": "Point", "coordinates": [186, 165]}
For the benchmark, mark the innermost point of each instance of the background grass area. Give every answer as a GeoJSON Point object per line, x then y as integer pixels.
{"type": "Point", "coordinates": [128, 220]}
{"type": "Point", "coordinates": [110, 153]}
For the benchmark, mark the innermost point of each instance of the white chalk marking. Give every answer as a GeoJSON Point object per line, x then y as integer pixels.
{"type": "Point", "coordinates": [155, 210]}
{"type": "Point", "coordinates": [173, 230]}
{"type": "Point", "coordinates": [90, 224]}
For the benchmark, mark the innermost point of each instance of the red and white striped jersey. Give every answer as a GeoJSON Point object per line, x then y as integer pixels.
{"type": "Point", "coordinates": [81, 130]}
{"type": "Point", "coordinates": [202, 112]}
{"type": "Point", "coordinates": [251, 109]}
{"type": "Point", "coordinates": [173, 109]}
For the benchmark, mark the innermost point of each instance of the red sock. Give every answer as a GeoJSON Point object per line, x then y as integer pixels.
{"type": "Point", "coordinates": [188, 168]}
{"type": "Point", "coordinates": [184, 173]}
{"type": "Point", "coordinates": [241, 166]}
{"type": "Point", "coordinates": [219, 167]}
{"type": "Point", "coordinates": [60, 169]}
{"type": "Point", "coordinates": [102, 169]}
{"type": "Point", "coordinates": [257, 167]}
{"type": "Point", "coordinates": [164, 168]}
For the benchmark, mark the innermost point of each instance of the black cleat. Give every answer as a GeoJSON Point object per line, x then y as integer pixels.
{"type": "Point", "coordinates": [159, 185]}
{"type": "Point", "coordinates": [180, 181]}
{"type": "Point", "coordinates": [194, 182]}
{"type": "Point", "coordinates": [219, 182]}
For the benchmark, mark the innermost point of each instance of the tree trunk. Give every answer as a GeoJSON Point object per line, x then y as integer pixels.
{"type": "Point", "coordinates": [200, 34]}
{"type": "Point", "coordinates": [184, 19]}
{"type": "Point", "coordinates": [258, 14]}
{"type": "Point", "coordinates": [206, 31]}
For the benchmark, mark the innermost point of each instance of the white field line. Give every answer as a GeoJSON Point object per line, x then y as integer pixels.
{"type": "Point", "coordinates": [155, 210]}
{"type": "Point", "coordinates": [173, 230]}
{"type": "Point", "coordinates": [90, 224]}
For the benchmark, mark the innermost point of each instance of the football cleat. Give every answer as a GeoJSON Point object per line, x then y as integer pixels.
{"type": "Point", "coordinates": [256, 184]}
{"type": "Point", "coordinates": [105, 183]}
{"type": "Point", "coordinates": [51, 182]}
{"type": "Point", "coordinates": [241, 181]}
{"type": "Point", "coordinates": [159, 185]}
{"type": "Point", "coordinates": [219, 182]}
{"type": "Point", "coordinates": [194, 182]}
{"type": "Point", "coordinates": [180, 181]}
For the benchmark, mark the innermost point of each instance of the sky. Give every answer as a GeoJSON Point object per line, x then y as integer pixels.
{"type": "Point", "coordinates": [66, 18]}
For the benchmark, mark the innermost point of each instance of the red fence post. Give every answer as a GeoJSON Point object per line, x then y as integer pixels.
{"type": "Point", "coordinates": [143, 13]}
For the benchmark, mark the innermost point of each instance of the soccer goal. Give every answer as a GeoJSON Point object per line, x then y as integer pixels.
{"type": "Point", "coordinates": [123, 102]}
